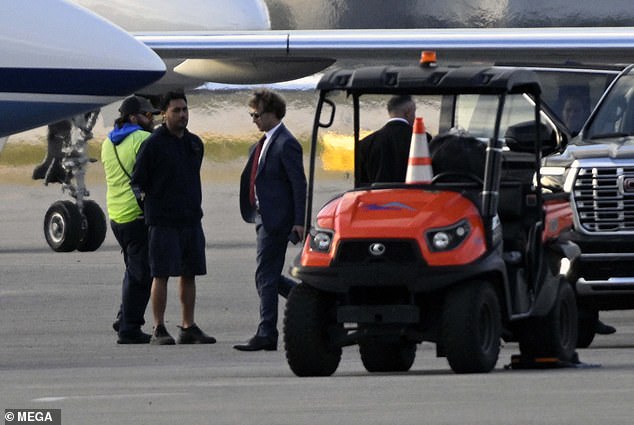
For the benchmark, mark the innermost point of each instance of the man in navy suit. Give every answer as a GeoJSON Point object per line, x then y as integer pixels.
{"type": "Point", "coordinates": [383, 155]}
{"type": "Point", "coordinates": [273, 196]}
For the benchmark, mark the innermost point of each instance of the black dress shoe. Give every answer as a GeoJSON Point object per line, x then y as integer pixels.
{"type": "Point", "coordinates": [604, 329]}
{"type": "Point", "coordinates": [117, 322]}
{"type": "Point", "coordinates": [258, 343]}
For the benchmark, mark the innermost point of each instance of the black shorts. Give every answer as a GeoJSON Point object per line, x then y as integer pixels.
{"type": "Point", "coordinates": [177, 251]}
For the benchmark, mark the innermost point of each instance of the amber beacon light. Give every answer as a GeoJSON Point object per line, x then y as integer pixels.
{"type": "Point", "coordinates": [428, 58]}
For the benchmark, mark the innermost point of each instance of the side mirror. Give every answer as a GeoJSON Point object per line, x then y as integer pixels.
{"type": "Point", "coordinates": [521, 138]}
{"type": "Point", "coordinates": [327, 115]}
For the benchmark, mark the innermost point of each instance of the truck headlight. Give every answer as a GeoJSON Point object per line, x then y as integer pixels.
{"type": "Point", "coordinates": [446, 238]}
{"type": "Point", "coordinates": [320, 240]}
{"type": "Point", "coordinates": [553, 178]}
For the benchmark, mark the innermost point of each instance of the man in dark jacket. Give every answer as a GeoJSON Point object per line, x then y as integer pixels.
{"type": "Point", "coordinates": [382, 156]}
{"type": "Point", "coordinates": [273, 196]}
{"type": "Point", "coordinates": [167, 176]}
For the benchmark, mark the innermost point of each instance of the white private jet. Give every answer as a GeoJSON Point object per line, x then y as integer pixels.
{"type": "Point", "coordinates": [58, 60]}
{"type": "Point", "coordinates": [231, 42]}
{"type": "Point", "coordinates": [46, 44]}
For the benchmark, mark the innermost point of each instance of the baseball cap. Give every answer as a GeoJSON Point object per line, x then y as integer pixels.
{"type": "Point", "coordinates": [135, 105]}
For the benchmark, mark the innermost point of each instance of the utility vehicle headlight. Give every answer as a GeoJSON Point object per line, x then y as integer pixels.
{"type": "Point", "coordinates": [447, 238]}
{"type": "Point", "coordinates": [320, 240]}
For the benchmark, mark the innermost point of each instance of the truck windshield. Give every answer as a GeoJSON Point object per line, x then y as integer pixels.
{"type": "Point", "coordinates": [476, 113]}
{"type": "Point", "coordinates": [615, 116]}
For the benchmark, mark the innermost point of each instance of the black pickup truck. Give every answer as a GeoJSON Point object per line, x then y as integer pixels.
{"type": "Point", "coordinates": [597, 168]}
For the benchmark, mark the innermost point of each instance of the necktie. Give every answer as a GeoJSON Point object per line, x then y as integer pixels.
{"type": "Point", "coordinates": [254, 169]}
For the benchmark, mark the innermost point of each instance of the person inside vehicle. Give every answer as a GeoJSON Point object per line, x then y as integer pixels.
{"type": "Point", "coordinates": [574, 113]}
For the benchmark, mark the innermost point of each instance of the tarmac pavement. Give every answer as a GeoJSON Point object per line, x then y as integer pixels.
{"type": "Point", "coordinates": [58, 349]}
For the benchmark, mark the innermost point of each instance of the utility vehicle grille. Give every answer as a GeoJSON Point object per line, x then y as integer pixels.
{"type": "Point", "coordinates": [395, 251]}
{"type": "Point", "coordinates": [604, 199]}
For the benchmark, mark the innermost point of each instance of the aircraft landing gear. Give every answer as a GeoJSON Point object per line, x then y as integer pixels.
{"type": "Point", "coordinates": [67, 225]}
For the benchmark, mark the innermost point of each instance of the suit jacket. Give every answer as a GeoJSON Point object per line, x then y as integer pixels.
{"type": "Point", "coordinates": [280, 184]}
{"type": "Point", "coordinates": [383, 155]}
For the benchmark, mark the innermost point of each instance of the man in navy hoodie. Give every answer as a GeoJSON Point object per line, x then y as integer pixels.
{"type": "Point", "coordinates": [118, 154]}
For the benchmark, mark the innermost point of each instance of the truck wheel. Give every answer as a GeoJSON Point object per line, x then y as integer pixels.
{"type": "Point", "coordinates": [309, 323]}
{"type": "Point", "coordinates": [380, 356]}
{"type": "Point", "coordinates": [554, 335]}
{"type": "Point", "coordinates": [588, 320]}
{"type": "Point", "coordinates": [471, 327]}
{"type": "Point", "coordinates": [62, 226]}
{"type": "Point", "coordinates": [95, 231]}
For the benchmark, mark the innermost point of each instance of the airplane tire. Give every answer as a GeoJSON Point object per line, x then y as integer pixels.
{"type": "Point", "coordinates": [308, 321]}
{"type": "Point", "coordinates": [554, 335]}
{"type": "Point", "coordinates": [62, 226]}
{"type": "Point", "coordinates": [380, 356]}
{"type": "Point", "coordinates": [95, 227]}
{"type": "Point", "coordinates": [471, 327]}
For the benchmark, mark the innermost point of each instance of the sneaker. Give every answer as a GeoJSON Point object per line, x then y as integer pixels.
{"type": "Point", "coordinates": [134, 337]}
{"type": "Point", "coordinates": [193, 335]}
{"type": "Point", "coordinates": [161, 336]}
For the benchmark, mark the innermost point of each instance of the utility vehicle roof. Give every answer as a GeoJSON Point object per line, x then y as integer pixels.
{"type": "Point", "coordinates": [432, 80]}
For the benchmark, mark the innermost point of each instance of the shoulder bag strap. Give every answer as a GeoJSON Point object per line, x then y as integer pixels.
{"type": "Point", "coordinates": [119, 161]}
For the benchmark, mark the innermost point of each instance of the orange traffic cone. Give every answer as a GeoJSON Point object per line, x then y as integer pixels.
{"type": "Point", "coordinates": [419, 164]}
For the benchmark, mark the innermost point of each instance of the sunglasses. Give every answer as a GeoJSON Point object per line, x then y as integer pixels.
{"type": "Point", "coordinates": [255, 115]}
{"type": "Point", "coordinates": [147, 115]}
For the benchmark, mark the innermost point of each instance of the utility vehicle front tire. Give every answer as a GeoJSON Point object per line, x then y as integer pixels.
{"type": "Point", "coordinates": [309, 326]}
{"type": "Point", "coordinates": [471, 327]}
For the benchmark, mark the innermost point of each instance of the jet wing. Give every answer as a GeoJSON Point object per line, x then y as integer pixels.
{"type": "Point", "coordinates": [267, 56]}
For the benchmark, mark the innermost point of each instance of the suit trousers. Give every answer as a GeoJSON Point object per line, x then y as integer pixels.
{"type": "Point", "coordinates": [137, 281]}
{"type": "Point", "coordinates": [271, 253]}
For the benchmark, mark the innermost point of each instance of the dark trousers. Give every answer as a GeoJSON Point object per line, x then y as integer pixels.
{"type": "Point", "coordinates": [271, 252]}
{"type": "Point", "coordinates": [137, 281]}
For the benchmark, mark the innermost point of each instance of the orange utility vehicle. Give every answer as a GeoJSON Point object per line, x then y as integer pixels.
{"type": "Point", "coordinates": [461, 261]}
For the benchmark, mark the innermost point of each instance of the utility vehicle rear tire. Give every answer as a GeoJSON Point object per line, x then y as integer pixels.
{"type": "Point", "coordinates": [95, 231]}
{"type": "Point", "coordinates": [309, 326]}
{"type": "Point", "coordinates": [588, 320]}
{"type": "Point", "coordinates": [381, 356]}
{"type": "Point", "coordinates": [62, 226]}
{"type": "Point", "coordinates": [471, 327]}
{"type": "Point", "coordinates": [554, 335]}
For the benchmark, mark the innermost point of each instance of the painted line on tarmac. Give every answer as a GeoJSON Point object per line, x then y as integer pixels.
{"type": "Point", "coordinates": [105, 397]}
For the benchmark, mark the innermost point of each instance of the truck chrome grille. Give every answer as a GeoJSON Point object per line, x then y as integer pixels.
{"type": "Point", "coordinates": [604, 199]}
